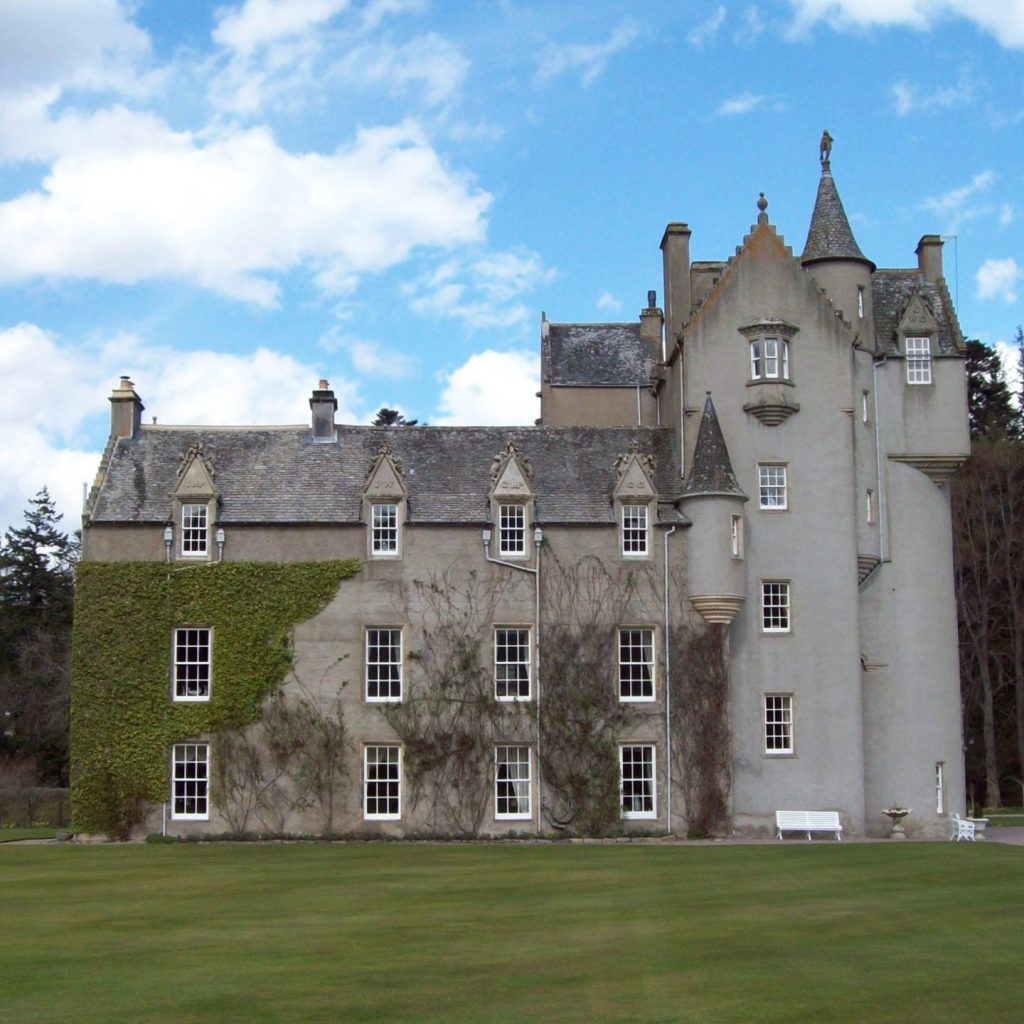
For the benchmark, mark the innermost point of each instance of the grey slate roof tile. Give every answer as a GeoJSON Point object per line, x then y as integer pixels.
{"type": "Point", "coordinates": [277, 475]}
{"type": "Point", "coordinates": [711, 468]}
{"type": "Point", "coordinates": [609, 355]}
{"type": "Point", "coordinates": [892, 291]}
{"type": "Point", "coordinates": [830, 235]}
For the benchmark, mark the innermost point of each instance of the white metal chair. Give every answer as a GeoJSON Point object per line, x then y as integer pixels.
{"type": "Point", "coordinates": [963, 828]}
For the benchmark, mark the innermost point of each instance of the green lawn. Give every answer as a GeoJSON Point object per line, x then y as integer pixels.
{"type": "Point", "coordinates": [821, 932]}
{"type": "Point", "coordinates": [14, 833]}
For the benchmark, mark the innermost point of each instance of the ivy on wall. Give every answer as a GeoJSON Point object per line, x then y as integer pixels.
{"type": "Point", "coordinates": [123, 721]}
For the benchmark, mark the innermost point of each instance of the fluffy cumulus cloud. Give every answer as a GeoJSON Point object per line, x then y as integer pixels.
{"type": "Point", "coordinates": [55, 398]}
{"type": "Point", "coordinates": [1004, 20]}
{"type": "Point", "coordinates": [231, 211]}
{"type": "Point", "coordinates": [91, 45]}
{"type": "Point", "coordinates": [491, 389]}
{"type": "Point", "coordinates": [999, 279]}
{"type": "Point", "coordinates": [590, 60]}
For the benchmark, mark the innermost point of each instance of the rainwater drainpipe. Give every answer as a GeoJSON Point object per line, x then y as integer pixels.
{"type": "Point", "coordinates": [538, 539]}
{"type": "Point", "coordinates": [668, 700]}
{"type": "Point", "coordinates": [883, 499]}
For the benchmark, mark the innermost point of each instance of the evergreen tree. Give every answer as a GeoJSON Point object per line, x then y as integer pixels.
{"type": "Point", "coordinates": [391, 418]}
{"type": "Point", "coordinates": [989, 398]}
{"type": "Point", "coordinates": [36, 599]}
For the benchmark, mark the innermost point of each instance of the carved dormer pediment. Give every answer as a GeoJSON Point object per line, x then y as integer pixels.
{"type": "Point", "coordinates": [917, 317]}
{"type": "Point", "coordinates": [384, 477]}
{"type": "Point", "coordinates": [195, 474]}
{"type": "Point", "coordinates": [635, 471]}
{"type": "Point", "coordinates": [511, 474]}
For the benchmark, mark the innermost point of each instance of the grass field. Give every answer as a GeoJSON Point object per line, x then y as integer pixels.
{"type": "Point", "coordinates": [821, 932]}
{"type": "Point", "coordinates": [14, 833]}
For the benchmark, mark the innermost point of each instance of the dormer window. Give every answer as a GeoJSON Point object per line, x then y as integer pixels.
{"type": "Point", "coordinates": [194, 531]}
{"type": "Point", "coordinates": [769, 359]}
{"type": "Point", "coordinates": [384, 529]}
{"type": "Point", "coordinates": [919, 361]}
{"type": "Point", "coordinates": [635, 530]}
{"type": "Point", "coordinates": [511, 529]}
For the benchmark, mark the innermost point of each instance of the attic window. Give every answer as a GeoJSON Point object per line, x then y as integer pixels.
{"type": "Point", "coordinates": [919, 361]}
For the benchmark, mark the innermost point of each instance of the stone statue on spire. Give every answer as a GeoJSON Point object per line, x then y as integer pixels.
{"type": "Point", "coordinates": [825, 148]}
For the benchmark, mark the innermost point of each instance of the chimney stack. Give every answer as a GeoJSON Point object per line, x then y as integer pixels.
{"type": "Point", "coordinates": [929, 258]}
{"type": "Point", "coordinates": [675, 248]}
{"type": "Point", "coordinates": [125, 409]}
{"type": "Point", "coordinates": [324, 405]}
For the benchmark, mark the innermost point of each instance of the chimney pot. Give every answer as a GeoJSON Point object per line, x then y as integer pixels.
{"type": "Point", "coordinates": [125, 409]}
{"type": "Point", "coordinates": [324, 405]}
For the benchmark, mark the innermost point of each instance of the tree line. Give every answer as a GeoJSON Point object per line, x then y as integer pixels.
{"type": "Point", "coordinates": [988, 537]}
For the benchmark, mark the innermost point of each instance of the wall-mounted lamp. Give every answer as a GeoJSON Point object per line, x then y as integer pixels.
{"type": "Point", "coordinates": [168, 540]}
{"type": "Point", "coordinates": [486, 534]}
{"type": "Point", "coordinates": [538, 535]}
{"type": "Point", "coordinates": [219, 537]}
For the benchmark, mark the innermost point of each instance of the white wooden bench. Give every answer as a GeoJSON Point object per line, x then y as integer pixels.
{"type": "Point", "coordinates": [808, 821]}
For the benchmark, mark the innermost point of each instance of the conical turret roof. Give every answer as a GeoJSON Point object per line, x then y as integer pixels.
{"type": "Point", "coordinates": [711, 469]}
{"type": "Point", "coordinates": [830, 236]}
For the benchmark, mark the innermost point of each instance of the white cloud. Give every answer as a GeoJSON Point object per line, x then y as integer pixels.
{"type": "Point", "coordinates": [705, 32]}
{"type": "Point", "coordinates": [491, 389]}
{"type": "Point", "coordinates": [1004, 20]}
{"type": "Point", "coordinates": [259, 23]}
{"type": "Point", "coordinates": [960, 205]}
{"type": "Point", "coordinates": [428, 68]}
{"type": "Point", "coordinates": [751, 26]}
{"type": "Point", "coordinates": [1007, 213]}
{"type": "Point", "coordinates": [608, 301]}
{"type": "Point", "coordinates": [909, 99]}
{"type": "Point", "coordinates": [232, 212]}
{"type": "Point", "coordinates": [744, 103]}
{"type": "Point", "coordinates": [55, 396]}
{"type": "Point", "coordinates": [92, 45]}
{"type": "Point", "coordinates": [483, 290]}
{"type": "Point", "coordinates": [998, 279]}
{"type": "Point", "coordinates": [590, 59]}
{"type": "Point", "coordinates": [368, 357]}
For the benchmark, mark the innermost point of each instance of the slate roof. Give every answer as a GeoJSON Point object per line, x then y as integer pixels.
{"type": "Point", "coordinates": [711, 469]}
{"type": "Point", "coordinates": [830, 235]}
{"type": "Point", "coordinates": [892, 291]}
{"type": "Point", "coordinates": [596, 355]}
{"type": "Point", "coordinates": [277, 475]}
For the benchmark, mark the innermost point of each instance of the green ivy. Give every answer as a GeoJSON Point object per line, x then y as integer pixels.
{"type": "Point", "coordinates": [123, 721]}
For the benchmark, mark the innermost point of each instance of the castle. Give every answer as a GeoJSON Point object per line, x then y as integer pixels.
{"type": "Point", "coordinates": [714, 580]}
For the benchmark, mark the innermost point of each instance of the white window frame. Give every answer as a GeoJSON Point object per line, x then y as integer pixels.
{"type": "Point", "coordinates": [195, 530]}
{"type": "Point", "coordinates": [779, 722]}
{"type": "Point", "coordinates": [776, 606]}
{"type": "Point", "coordinates": [769, 358]}
{"type": "Point", "coordinates": [919, 360]}
{"type": "Point", "coordinates": [190, 781]}
{"type": "Point", "coordinates": [773, 486]}
{"type": "Point", "coordinates": [513, 792]}
{"type": "Point", "coordinates": [385, 535]}
{"type": "Point", "coordinates": [383, 670]}
{"type": "Point", "coordinates": [869, 505]}
{"type": "Point", "coordinates": [636, 673]}
{"type": "Point", "coordinates": [864, 407]}
{"type": "Point", "coordinates": [388, 756]}
{"type": "Point", "coordinates": [638, 788]}
{"type": "Point", "coordinates": [940, 787]}
{"type": "Point", "coordinates": [512, 529]}
{"type": "Point", "coordinates": [511, 672]}
{"type": "Point", "coordinates": [192, 658]}
{"type": "Point", "coordinates": [736, 536]}
{"type": "Point", "coordinates": [635, 531]}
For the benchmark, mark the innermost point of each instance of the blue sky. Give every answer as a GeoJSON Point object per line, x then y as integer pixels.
{"type": "Point", "coordinates": [228, 201]}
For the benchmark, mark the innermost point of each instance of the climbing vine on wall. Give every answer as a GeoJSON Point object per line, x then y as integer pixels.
{"type": "Point", "coordinates": [123, 721]}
